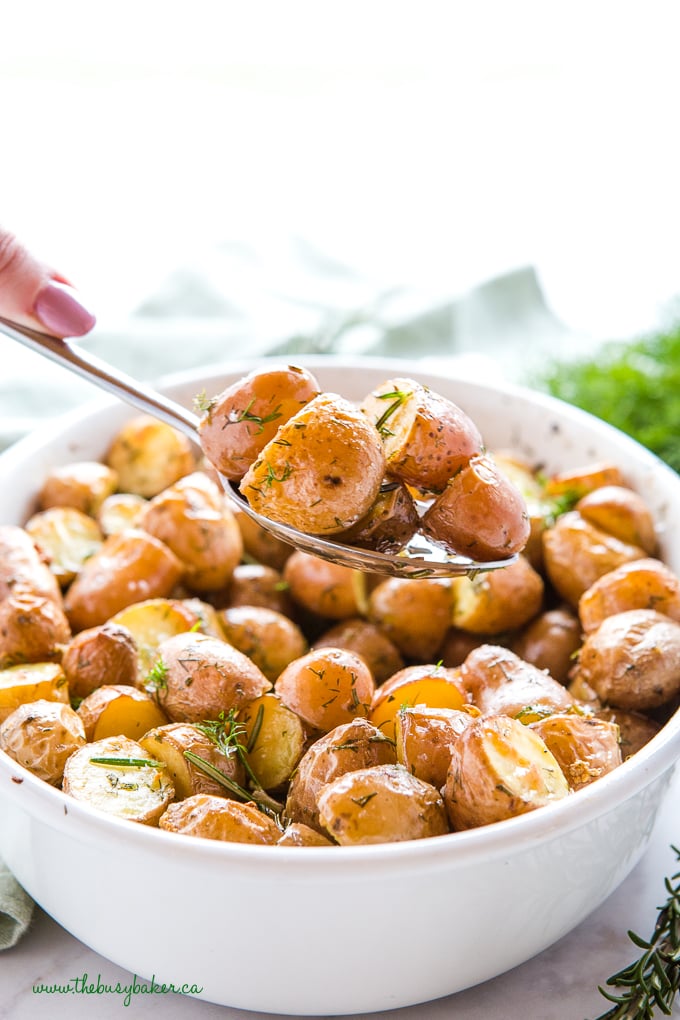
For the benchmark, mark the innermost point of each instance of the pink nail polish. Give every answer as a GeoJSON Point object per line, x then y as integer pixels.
{"type": "Point", "coordinates": [61, 312]}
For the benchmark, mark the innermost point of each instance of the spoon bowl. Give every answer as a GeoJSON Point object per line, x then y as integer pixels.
{"type": "Point", "coordinates": [418, 558]}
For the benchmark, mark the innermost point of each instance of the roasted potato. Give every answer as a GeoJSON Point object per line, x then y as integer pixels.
{"type": "Point", "coordinates": [297, 834]}
{"type": "Point", "coordinates": [119, 511]}
{"type": "Point", "coordinates": [498, 682]}
{"type": "Point", "coordinates": [585, 747]}
{"type": "Point", "coordinates": [41, 736]}
{"type": "Point", "coordinates": [219, 818]}
{"type": "Point", "coordinates": [118, 710]}
{"type": "Point", "coordinates": [34, 682]}
{"type": "Point", "coordinates": [83, 485]}
{"type": "Point", "coordinates": [635, 729]}
{"type": "Point", "coordinates": [498, 600]}
{"type": "Point", "coordinates": [323, 470]}
{"type": "Point", "coordinates": [253, 584]}
{"type": "Point", "coordinates": [263, 547]}
{"type": "Point", "coordinates": [148, 455]}
{"type": "Point", "coordinates": [22, 569]}
{"type": "Point", "coordinates": [198, 677]}
{"type": "Point", "coordinates": [550, 642]}
{"type": "Point", "coordinates": [243, 418]}
{"type": "Point", "coordinates": [414, 613]}
{"type": "Point", "coordinates": [499, 769]}
{"type": "Point", "coordinates": [270, 639]}
{"type": "Point", "coordinates": [367, 640]}
{"type": "Point", "coordinates": [424, 739]}
{"type": "Point", "coordinates": [383, 804]}
{"type": "Point", "coordinates": [427, 438]}
{"type": "Point", "coordinates": [169, 742]}
{"type": "Point", "coordinates": [459, 643]}
{"type": "Point", "coordinates": [326, 588]}
{"type": "Point", "coordinates": [621, 512]}
{"type": "Point", "coordinates": [151, 622]}
{"type": "Point", "coordinates": [99, 655]}
{"type": "Point", "coordinates": [640, 584]}
{"type": "Point", "coordinates": [117, 776]}
{"type": "Point", "coordinates": [192, 518]}
{"type": "Point", "coordinates": [66, 537]}
{"type": "Point", "coordinates": [389, 524]}
{"type": "Point", "coordinates": [576, 483]}
{"type": "Point", "coordinates": [539, 510]}
{"type": "Point", "coordinates": [130, 567]}
{"type": "Point", "coordinates": [32, 629]}
{"type": "Point", "coordinates": [576, 553]}
{"type": "Point", "coordinates": [632, 661]}
{"type": "Point", "coordinates": [275, 739]}
{"type": "Point", "coordinates": [434, 686]}
{"type": "Point", "coordinates": [327, 687]}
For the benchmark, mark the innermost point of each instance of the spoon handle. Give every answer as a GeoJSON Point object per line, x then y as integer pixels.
{"type": "Point", "coordinates": [104, 376]}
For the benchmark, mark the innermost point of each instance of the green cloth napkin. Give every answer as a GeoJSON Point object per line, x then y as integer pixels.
{"type": "Point", "coordinates": [16, 909]}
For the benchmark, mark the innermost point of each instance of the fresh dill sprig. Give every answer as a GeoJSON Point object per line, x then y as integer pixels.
{"type": "Point", "coordinates": [652, 981]}
{"type": "Point", "coordinates": [157, 677]}
{"type": "Point", "coordinates": [203, 404]}
{"type": "Point", "coordinates": [257, 419]}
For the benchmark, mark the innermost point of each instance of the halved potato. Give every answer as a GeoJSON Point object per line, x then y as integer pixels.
{"type": "Point", "coordinates": [275, 739]}
{"type": "Point", "coordinates": [500, 683]}
{"type": "Point", "coordinates": [117, 776]}
{"type": "Point", "coordinates": [22, 569]}
{"type": "Point", "coordinates": [33, 682]}
{"type": "Point", "coordinates": [150, 622]}
{"type": "Point", "coordinates": [584, 747]}
{"type": "Point", "coordinates": [622, 512]}
{"type": "Point", "coordinates": [41, 736]}
{"type": "Point", "coordinates": [119, 511]}
{"type": "Point", "coordinates": [498, 600]}
{"type": "Point", "coordinates": [219, 818]}
{"type": "Point", "coordinates": [32, 629]}
{"type": "Point", "coordinates": [432, 685]}
{"type": "Point", "coordinates": [425, 737]}
{"type": "Point", "coordinates": [389, 524]}
{"type": "Point", "coordinates": [148, 455]}
{"type": "Point", "coordinates": [640, 584]}
{"type": "Point", "coordinates": [575, 483]}
{"type": "Point", "coordinates": [170, 741]}
{"type": "Point", "coordinates": [114, 710]}
{"type": "Point", "coordinates": [367, 640]}
{"type": "Point", "coordinates": [67, 537]}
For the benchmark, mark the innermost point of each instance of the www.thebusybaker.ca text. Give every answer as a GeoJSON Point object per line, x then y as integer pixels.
{"type": "Point", "coordinates": [85, 986]}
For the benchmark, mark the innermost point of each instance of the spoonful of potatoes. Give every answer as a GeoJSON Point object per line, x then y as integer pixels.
{"type": "Point", "coordinates": [399, 485]}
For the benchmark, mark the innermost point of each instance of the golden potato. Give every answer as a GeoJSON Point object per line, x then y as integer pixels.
{"type": "Point", "coordinates": [427, 438]}
{"type": "Point", "coordinates": [576, 553]}
{"type": "Point", "coordinates": [219, 818]}
{"type": "Point", "coordinates": [575, 483]}
{"type": "Point", "coordinates": [297, 834]}
{"type": "Point", "coordinates": [632, 660]}
{"type": "Point", "coordinates": [383, 804]}
{"type": "Point", "coordinates": [169, 742]}
{"type": "Point", "coordinates": [550, 642]}
{"type": "Point", "coordinates": [620, 512]}
{"type": "Point", "coordinates": [253, 584]}
{"type": "Point", "coordinates": [640, 584]}
{"type": "Point", "coordinates": [197, 677]}
{"type": "Point", "coordinates": [32, 629]}
{"type": "Point", "coordinates": [367, 640]}
{"type": "Point", "coordinates": [354, 745]}
{"type": "Point", "coordinates": [116, 775]}
{"type": "Point", "coordinates": [431, 685]}
{"type": "Point", "coordinates": [66, 537]}
{"type": "Point", "coordinates": [22, 569]}
{"type": "Point", "coordinates": [34, 682]}
{"type": "Point", "coordinates": [326, 588]}
{"type": "Point", "coordinates": [389, 524]}
{"type": "Point", "coordinates": [119, 511]}
{"type": "Point", "coordinates": [151, 622]}
{"type": "Point", "coordinates": [99, 655]}
{"type": "Point", "coordinates": [243, 418]}
{"type": "Point", "coordinates": [83, 485]}
{"type": "Point", "coordinates": [41, 736]}
{"type": "Point", "coordinates": [269, 638]}
{"type": "Point", "coordinates": [192, 518]}
{"type": "Point", "coordinates": [425, 737]}
{"type": "Point", "coordinates": [500, 683]}
{"type": "Point", "coordinates": [585, 747]}
{"type": "Point", "coordinates": [635, 729]}
{"type": "Point", "coordinates": [524, 478]}
{"type": "Point", "coordinates": [207, 620]}
{"type": "Point", "coordinates": [459, 643]}
{"type": "Point", "coordinates": [499, 769]}
{"type": "Point", "coordinates": [259, 543]}
{"type": "Point", "coordinates": [498, 600]}
{"type": "Point", "coordinates": [327, 687]}
{"type": "Point", "coordinates": [148, 455]}
{"type": "Point", "coordinates": [479, 514]}
{"type": "Point", "coordinates": [275, 739]}
{"type": "Point", "coordinates": [129, 567]}
{"type": "Point", "coordinates": [414, 613]}
{"type": "Point", "coordinates": [323, 470]}
{"type": "Point", "coordinates": [118, 710]}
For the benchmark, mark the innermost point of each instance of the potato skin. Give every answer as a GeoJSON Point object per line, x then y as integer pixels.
{"type": "Point", "coordinates": [328, 589]}
{"type": "Point", "coordinates": [550, 642]}
{"type": "Point", "coordinates": [425, 737]}
{"type": "Point", "coordinates": [354, 745]}
{"type": "Point", "coordinates": [66, 537]}
{"type": "Point", "coordinates": [130, 567]}
{"type": "Point", "coordinates": [254, 584]}
{"type": "Point", "coordinates": [367, 640]}
{"type": "Point", "coordinates": [635, 729]}
{"type": "Point", "coordinates": [427, 437]}
{"type": "Point", "coordinates": [204, 676]}
{"type": "Point", "coordinates": [383, 804]}
{"type": "Point", "coordinates": [480, 513]}
{"type": "Point", "coordinates": [21, 567]}
{"type": "Point", "coordinates": [114, 710]}
{"type": "Point", "coordinates": [389, 524]}
{"type": "Point", "coordinates": [41, 736]}
{"type": "Point", "coordinates": [499, 600]}
{"type": "Point", "coordinates": [632, 661]}
{"type": "Point", "coordinates": [83, 485]}
{"type": "Point", "coordinates": [575, 483]}
{"type": "Point", "coordinates": [414, 613]}
{"type": "Point", "coordinates": [297, 834]}
{"type": "Point", "coordinates": [270, 639]}
{"type": "Point", "coordinates": [168, 743]}
{"type": "Point", "coordinates": [244, 417]}
{"type": "Point", "coordinates": [500, 683]}
{"type": "Point", "coordinates": [218, 818]}
{"type": "Point", "coordinates": [584, 747]}
{"type": "Point", "coordinates": [265, 548]}
{"type": "Point", "coordinates": [431, 685]}
{"type": "Point", "coordinates": [499, 769]}
{"type": "Point", "coordinates": [640, 584]}
{"type": "Point", "coordinates": [32, 629]}
{"type": "Point", "coordinates": [148, 455]}
{"type": "Point", "coordinates": [621, 512]}
{"type": "Point", "coordinates": [323, 470]}
{"type": "Point", "coordinates": [327, 687]}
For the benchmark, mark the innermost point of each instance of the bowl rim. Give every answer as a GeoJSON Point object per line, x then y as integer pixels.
{"type": "Point", "coordinates": [492, 841]}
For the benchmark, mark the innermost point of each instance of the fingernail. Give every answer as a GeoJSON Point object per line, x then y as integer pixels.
{"type": "Point", "coordinates": [61, 312]}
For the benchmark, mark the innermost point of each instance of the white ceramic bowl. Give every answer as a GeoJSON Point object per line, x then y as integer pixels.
{"type": "Point", "coordinates": [356, 929]}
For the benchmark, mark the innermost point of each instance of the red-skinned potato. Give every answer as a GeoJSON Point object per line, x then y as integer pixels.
{"type": "Point", "coordinates": [640, 584]}
{"type": "Point", "coordinates": [104, 654]}
{"type": "Point", "coordinates": [326, 588]}
{"type": "Point", "coordinates": [425, 737]}
{"type": "Point", "coordinates": [83, 485]}
{"type": "Point", "coordinates": [550, 642]}
{"type": "Point", "coordinates": [414, 613]}
{"type": "Point", "coordinates": [497, 601]}
{"type": "Point", "coordinates": [389, 524]}
{"type": "Point", "coordinates": [367, 640]}
{"type": "Point", "coordinates": [585, 747]}
{"type": "Point", "coordinates": [498, 682]}
{"type": "Point", "coordinates": [218, 818]}
{"type": "Point", "coordinates": [575, 483]}
{"type": "Point", "coordinates": [270, 639]}
{"type": "Point", "coordinates": [424, 685]}
{"type": "Point", "coordinates": [22, 569]}
{"type": "Point", "coordinates": [32, 629]}
{"type": "Point", "coordinates": [327, 687]}
{"type": "Point", "coordinates": [622, 512]}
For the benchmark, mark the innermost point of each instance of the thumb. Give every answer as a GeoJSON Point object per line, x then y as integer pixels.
{"type": "Point", "coordinates": [33, 294]}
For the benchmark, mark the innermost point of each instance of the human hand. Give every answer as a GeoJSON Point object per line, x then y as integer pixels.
{"type": "Point", "coordinates": [35, 295]}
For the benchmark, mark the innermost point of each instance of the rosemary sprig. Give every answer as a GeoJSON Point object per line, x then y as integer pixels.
{"type": "Point", "coordinates": [653, 980]}
{"type": "Point", "coordinates": [398, 397]}
{"type": "Point", "coordinates": [129, 763]}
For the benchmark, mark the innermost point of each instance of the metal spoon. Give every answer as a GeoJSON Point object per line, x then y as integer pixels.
{"type": "Point", "coordinates": [419, 558]}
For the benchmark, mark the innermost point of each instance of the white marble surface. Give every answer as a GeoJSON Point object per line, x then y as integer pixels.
{"type": "Point", "coordinates": [560, 984]}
